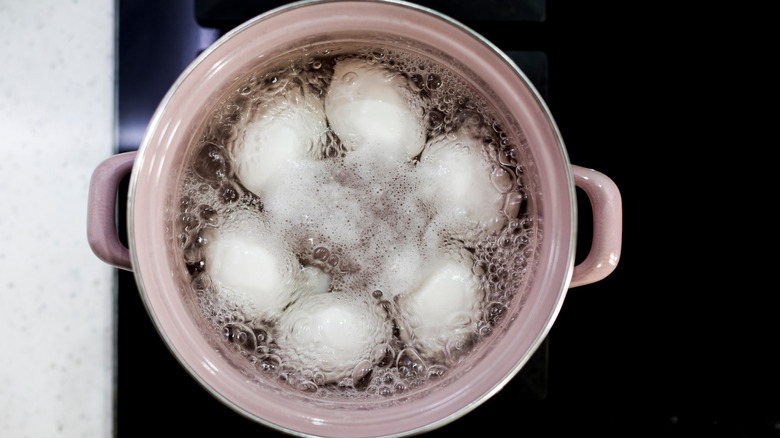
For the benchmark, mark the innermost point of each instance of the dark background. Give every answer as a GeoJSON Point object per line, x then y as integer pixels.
{"type": "Point", "coordinates": [681, 340]}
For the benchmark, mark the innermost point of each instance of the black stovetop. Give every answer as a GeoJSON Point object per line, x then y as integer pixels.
{"type": "Point", "coordinates": [627, 356]}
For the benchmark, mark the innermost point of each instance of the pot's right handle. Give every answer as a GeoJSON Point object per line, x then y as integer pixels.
{"type": "Point", "coordinates": [101, 210]}
{"type": "Point", "coordinates": [607, 206]}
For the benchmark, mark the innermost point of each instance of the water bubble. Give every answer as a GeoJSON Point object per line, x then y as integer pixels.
{"type": "Point", "coordinates": [209, 215]}
{"type": "Point", "coordinates": [417, 82]}
{"type": "Point", "coordinates": [321, 254]}
{"type": "Point", "coordinates": [409, 363]}
{"type": "Point", "coordinates": [192, 254]}
{"type": "Point", "coordinates": [502, 180]}
{"type": "Point", "coordinates": [261, 336]}
{"type": "Point", "coordinates": [211, 162]}
{"type": "Point", "coordinates": [436, 371]}
{"type": "Point", "coordinates": [514, 205]}
{"type": "Point", "coordinates": [196, 268]}
{"type": "Point", "coordinates": [231, 193]}
{"type": "Point", "coordinates": [433, 81]}
{"type": "Point", "coordinates": [479, 268]}
{"type": "Point", "coordinates": [435, 119]}
{"type": "Point", "coordinates": [384, 354]}
{"type": "Point", "coordinates": [189, 221]}
{"type": "Point", "coordinates": [504, 241]}
{"type": "Point", "coordinates": [361, 375]}
{"type": "Point", "coordinates": [349, 78]}
{"type": "Point", "coordinates": [241, 336]}
{"type": "Point", "coordinates": [507, 157]}
{"type": "Point", "coordinates": [307, 386]}
{"type": "Point", "coordinates": [495, 311]}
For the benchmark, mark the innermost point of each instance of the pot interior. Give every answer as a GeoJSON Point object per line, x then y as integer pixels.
{"type": "Point", "coordinates": [208, 109]}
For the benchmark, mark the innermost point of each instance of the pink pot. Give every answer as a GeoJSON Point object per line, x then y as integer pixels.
{"type": "Point", "coordinates": [160, 273]}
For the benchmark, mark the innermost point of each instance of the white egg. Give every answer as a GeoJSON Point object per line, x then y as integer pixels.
{"type": "Point", "coordinates": [282, 133]}
{"type": "Point", "coordinates": [443, 309]}
{"type": "Point", "coordinates": [459, 180]}
{"type": "Point", "coordinates": [247, 268]}
{"type": "Point", "coordinates": [331, 333]}
{"type": "Point", "coordinates": [366, 107]}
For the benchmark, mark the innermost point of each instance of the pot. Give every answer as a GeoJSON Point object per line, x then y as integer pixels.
{"type": "Point", "coordinates": [154, 253]}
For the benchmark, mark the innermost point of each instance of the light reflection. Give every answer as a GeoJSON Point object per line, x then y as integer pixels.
{"type": "Point", "coordinates": [210, 367]}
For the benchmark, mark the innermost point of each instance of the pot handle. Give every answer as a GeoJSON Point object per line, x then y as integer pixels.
{"type": "Point", "coordinates": [101, 210]}
{"type": "Point", "coordinates": [607, 207]}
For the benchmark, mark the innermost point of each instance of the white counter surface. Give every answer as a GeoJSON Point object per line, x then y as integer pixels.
{"type": "Point", "coordinates": [56, 120]}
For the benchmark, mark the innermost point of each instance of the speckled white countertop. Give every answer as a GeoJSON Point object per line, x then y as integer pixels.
{"type": "Point", "coordinates": [56, 120]}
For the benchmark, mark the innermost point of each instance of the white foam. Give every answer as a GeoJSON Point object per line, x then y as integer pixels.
{"type": "Point", "coordinates": [285, 130]}
{"type": "Point", "coordinates": [366, 107]}
{"type": "Point", "coordinates": [308, 196]}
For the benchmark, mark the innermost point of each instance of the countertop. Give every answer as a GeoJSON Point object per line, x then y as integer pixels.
{"type": "Point", "coordinates": [56, 118]}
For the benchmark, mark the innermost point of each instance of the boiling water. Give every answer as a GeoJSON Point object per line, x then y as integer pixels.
{"type": "Point", "coordinates": [355, 222]}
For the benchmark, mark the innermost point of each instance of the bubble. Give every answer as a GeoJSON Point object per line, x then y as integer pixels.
{"type": "Point", "coordinates": [231, 193]}
{"type": "Point", "coordinates": [502, 180]}
{"type": "Point", "coordinates": [211, 163]}
{"type": "Point", "coordinates": [362, 373]}
{"type": "Point", "coordinates": [433, 81]}
{"type": "Point", "coordinates": [508, 157]}
{"type": "Point", "coordinates": [436, 371]}
{"type": "Point", "coordinates": [270, 363]}
{"type": "Point", "coordinates": [514, 204]}
{"type": "Point", "coordinates": [417, 82]}
{"type": "Point", "coordinates": [241, 336]}
{"type": "Point", "coordinates": [321, 254]}
{"type": "Point", "coordinates": [209, 215]}
{"type": "Point", "coordinates": [409, 363]}
{"type": "Point", "coordinates": [349, 78]}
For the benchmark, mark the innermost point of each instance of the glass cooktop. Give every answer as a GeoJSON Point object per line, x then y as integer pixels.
{"type": "Point", "coordinates": [568, 386]}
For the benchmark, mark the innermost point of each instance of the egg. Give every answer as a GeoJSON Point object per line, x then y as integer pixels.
{"type": "Point", "coordinates": [443, 309]}
{"type": "Point", "coordinates": [459, 180]}
{"type": "Point", "coordinates": [284, 131]}
{"type": "Point", "coordinates": [331, 334]}
{"type": "Point", "coordinates": [246, 268]}
{"type": "Point", "coordinates": [368, 106]}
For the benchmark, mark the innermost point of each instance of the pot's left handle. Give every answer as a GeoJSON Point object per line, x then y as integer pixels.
{"type": "Point", "coordinates": [101, 210]}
